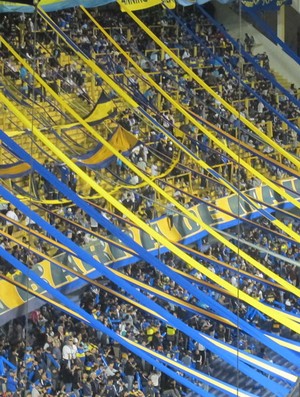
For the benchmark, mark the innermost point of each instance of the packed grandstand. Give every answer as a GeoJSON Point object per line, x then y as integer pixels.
{"type": "Point", "coordinates": [149, 207]}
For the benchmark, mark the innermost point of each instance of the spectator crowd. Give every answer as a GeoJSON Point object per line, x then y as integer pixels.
{"type": "Point", "coordinates": [51, 354]}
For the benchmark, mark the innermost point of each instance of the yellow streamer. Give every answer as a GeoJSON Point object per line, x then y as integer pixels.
{"type": "Point", "coordinates": [160, 358]}
{"type": "Point", "coordinates": [41, 296]}
{"type": "Point", "coordinates": [198, 161]}
{"type": "Point", "coordinates": [161, 239]}
{"type": "Point", "coordinates": [250, 125]}
{"type": "Point", "coordinates": [269, 311]}
{"type": "Point", "coordinates": [125, 96]}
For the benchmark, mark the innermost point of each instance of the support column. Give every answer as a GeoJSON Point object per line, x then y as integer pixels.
{"type": "Point", "coordinates": [281, 23]}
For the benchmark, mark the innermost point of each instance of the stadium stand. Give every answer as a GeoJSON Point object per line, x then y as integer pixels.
{"type": "Point", "coordinates": [149, 208]}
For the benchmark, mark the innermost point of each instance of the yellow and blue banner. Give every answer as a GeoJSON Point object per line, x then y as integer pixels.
{"type": "Point", "coordinates": [55, 5]}
{"type": "Point", "coordinates": [49, 5]}
{"type": "Point", "coordinates": [137, 5]}
{"type": "Point", "coordinates": [104, 108]}
{"type": "Point", "coordinates": [121, 139]}
{"type": "Point", "coordinates": [14, 170]}
{"type": "Point", "coordinates": [156, 235]}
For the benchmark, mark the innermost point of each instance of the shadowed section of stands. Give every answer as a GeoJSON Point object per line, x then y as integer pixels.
{"type": "Point", "coordinates": [249, 58]}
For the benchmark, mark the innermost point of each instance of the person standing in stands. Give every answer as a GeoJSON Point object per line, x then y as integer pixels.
{"type": "Point", "coordinates": [3, 210]}
{"type": "Point", "coordinates": [150, 390]}
{"type": "Point", "coordinates": [276, 327]}
{"type": "Point", "coordinates": [86, 387]}
{"type": "Point", "coordinates": [130, 371]}
{"type": "Point", "coordinates": [135, 392]}
{"type": "Point", "coordinates": [69, 352]}
{"type": "Point", "coordinates": [170, 214]}
{"type": "Point", "coordinates": [109, 390]}
{"type": "Point", "coordinates": [12, 215]}
{"type": "Point", "coordinates": [171, 334]}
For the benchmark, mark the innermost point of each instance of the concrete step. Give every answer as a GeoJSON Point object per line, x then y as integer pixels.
{"type": "Point", "coordinates": [281, 79]}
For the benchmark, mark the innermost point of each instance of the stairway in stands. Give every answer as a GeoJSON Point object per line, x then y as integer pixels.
{"type": "Point", "coordinates": [225, 372]}
{"type": "Point", "coordinates": [281, 79]}
{"type": "Point", "coordinates": [284, 64]}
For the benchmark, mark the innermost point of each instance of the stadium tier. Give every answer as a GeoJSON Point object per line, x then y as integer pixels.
{"type": "Point", "coordinates": [149, 205]}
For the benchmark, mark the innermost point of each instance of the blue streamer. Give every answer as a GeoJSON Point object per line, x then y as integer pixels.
{"type": "Point", "coordinates": [142, 252]}
{"type": "Point", "coordinates": [115, 231]}
{"type": "Point", "coordinates": [177, 323]}
{"type": "Point", "coordinates": [187, 308]}
{"type": "Point", "coordinates": [3, 361]}
{"type": "Point", "coordinates": [236, 76]}
{"type": "Point", "coordinates": [130, 243]}
{"type": "Point", "coordinates": [91, 321]}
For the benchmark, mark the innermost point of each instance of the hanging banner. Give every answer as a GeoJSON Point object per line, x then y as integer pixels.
{"type": "Point", "coordinates": [169, 4]}
{"type": "Point", "coordinates": [15, 170]}
{"type": "Point", "coordinates": [136, 5]}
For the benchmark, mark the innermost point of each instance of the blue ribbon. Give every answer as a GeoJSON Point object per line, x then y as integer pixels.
{"type": "Point", "coordinates": [115, 231]}
{"type": "Point", "coordinates": [3, 361]}
{"type": "Point", "coordinates": [140, 251]}
{"type": "Point", "coordinates": [91, 321]}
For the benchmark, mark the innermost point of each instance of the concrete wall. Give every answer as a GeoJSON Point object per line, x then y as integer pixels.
{"type": "Point", "coordinates": [296, 5]}
{"type": "Point", "coordinates": [292, 31]}
{"type": "Point", "coordinates": [279, 61]}
{"type": "Point", "coordinates": [292, 25]}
